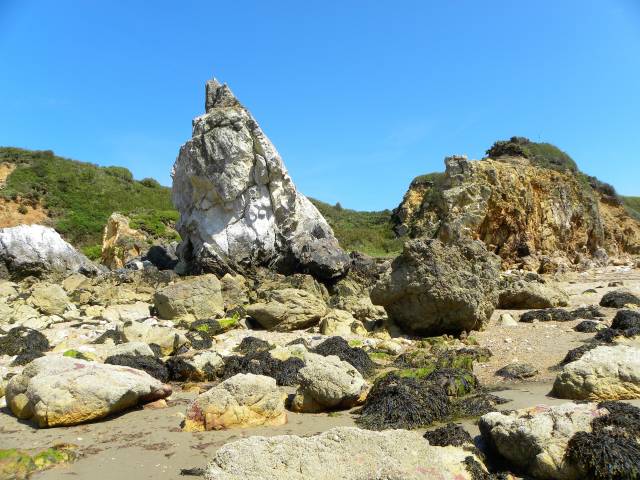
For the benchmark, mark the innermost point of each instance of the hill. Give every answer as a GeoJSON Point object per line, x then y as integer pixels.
{"type": "Point", "coordinates": [633, 206]}
{"type": "Point", "coordinates": [76, 198]}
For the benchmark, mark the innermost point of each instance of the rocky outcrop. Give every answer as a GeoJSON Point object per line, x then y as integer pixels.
{"type": "Point", "coordinates": [244, 400]}
{"type": "Point", "coordinates": [39, 251]}
{"type": "Point", "coordinates": [522, 212]}
{"type": "Point", "coordinates": [435, 288]}
{"type": "Point", "coordinates": [195, 298]}
{"type": "Point", "coordinates": [57, 391]}
{"type": "Point", "coordinates": [288, 309]}
{"type": "Point", "coordinates": [603, 373]}
{"type": "Point", "coordinates": [345, 453]}
{"type": "Point", "coordinates": [536, 439]}
{"type": "Point", "coordinates": [120, 242]}
{"type": "Point", "coordinates": [238, 206]}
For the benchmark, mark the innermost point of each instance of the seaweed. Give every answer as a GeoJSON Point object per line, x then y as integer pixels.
{"type": "Point", "coordinates": [478, 473]}
{"type": "Point", "coordinates": [619, 299]}
{"type": "Point", "coordinates": [587, 313]}
{"type": "Point", "coordinates": [250, 345]}
{"type": "Point", "coordinates": [588, 326]}
{"type": "Point", "coordinates": [577, 353]}
{"type": "Point", "coordinates": [285, 372]}
{"type": "Point", "coordinates": [449, 435]}
{"type": "Point", "coordinates": [339, 347]}
{"type": "Point", "coordinates": [26, 357]}
{"type": "Point", "coordinates": [626, 319]}
{"type": "Point", "coordinates": [199, 340]}
{"type": "Point", "coordinates": [547, 315]}
{"type": "Point", "coordinates": [457, 382]}
{"type": "Point", "coordinates": [151, 365]}
{"type": "Point", "coordinates": [20, 340]}
{"type": "Point", "coordinates": [517, 371]}
{"type": "Point", "coordinates": [116, 336]}
{"type": "Point", "coordinates": [181, 370]}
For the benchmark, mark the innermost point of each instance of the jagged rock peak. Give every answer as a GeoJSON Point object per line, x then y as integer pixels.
{"type": "Point", "coordinates": [239, 208]}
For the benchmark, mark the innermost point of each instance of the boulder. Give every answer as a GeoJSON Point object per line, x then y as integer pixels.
{"type": "Point", "coordinates": [59, 391]}
{"type": "Point", "coordinates": [40, 251]}
{"type": "Point", "coordinates": [120, 243]}
{"type": "Point", "coordinates": [163, 257]}
{"type": "Point", "coordinates": [341, 323]}
{"type": "Point", "coordinates": [507, 320]}
{"type": "Point", "coordinates": [626, 319]}
{"type": "Point", "coordinates": [346, 453]}
{"type": "Point", "coordinates": [169, 340]}
{"type": "Point", "coordinates": [198, 367]}
{"type": "Point", "coordinates": [517, 371]}
{"type": "Point", "coordinates": [526, 295]}
{"type": "Point", "coordinates": [234, 291]}
{"type": "Point", "coordinates": [244, 400]}
{"type": "Point", "coordinates": [535, 439]}
{"type": "Point", "coordinates": [288, 309]}
{"type": "Point", "coordinates": [602, 373]}
{"type": "Point", "coordinates": [327, 383]}
{"type": "Point", "coordinates": [48, 298]}
{"type": "Point", "coordinates": [239, 208]}
{"type": "Point", "coordinates": [194, 298]}
{"type": "Point", "coordinates": [435, 288]}
{"type": "Point", "coordinates": [135, 312]}
{"type": "Point", "coordinates": [619, 299]}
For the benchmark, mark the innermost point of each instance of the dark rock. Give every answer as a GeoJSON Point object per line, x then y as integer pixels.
{"type": "Point", "coordinates": [25, 358]}
{"type": "Point", "coordinates": [116, 336]}
{"type": "Point", "coordinates": [626, 319]}
{"type": "Point", "coordinates": [435, 288]}
{"type": "Point", "coordinates": [355, 356]}
{"type": "Point", "coordinates": [153, 366]}
{"type": "Point", "coordinates": [589, 326]}
{"type": "Point", "coordinates": [180, 369]}
{"type": "Point", "coordinates": [163, 257]}
{"type": "Point", "coordinates": [21, 340]}
{"type": "Point", "coordinates": [547, 315]}
{"type": "Point", "coordinates": [518, 371]}
{"type": "Point", "coordinates": [587, 313]}
{"type": "Point", "coordinates": [619, 299]}
{"type": "Point", "coordinates": [200, 340]}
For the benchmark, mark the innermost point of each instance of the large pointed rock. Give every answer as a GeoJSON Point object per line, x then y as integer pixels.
{"type": "Point", "coordinates": [238, 206]}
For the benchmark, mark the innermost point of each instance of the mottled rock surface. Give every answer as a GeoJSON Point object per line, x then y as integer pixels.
{"type": "Point", "coordinates": [435, 288]}
{"type": "Point", "coordinates": [238, 205]}
{"type": "Point", "coordinates": [192, 299]}
{"type": "Point", "coordinates": [344, 453]}
{"type": "Point", "coordinates": [120, 243]}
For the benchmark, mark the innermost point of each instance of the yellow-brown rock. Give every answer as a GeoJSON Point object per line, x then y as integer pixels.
{"type": "Point", "coordinates": [522, 212]}
{"type": "Point", "coordinates": [120, 243]}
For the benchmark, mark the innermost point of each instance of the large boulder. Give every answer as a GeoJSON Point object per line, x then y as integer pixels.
{"type": "Point", "coordinates": [346, 453]}
{"type": "Point", "coordinates": [59, 391]}
{"type": "Point", "coordinates": [169, 340]}
{"type": "Point", "coordinates": [120, 242]}
{"type": "Point", "coordinates": [524, 295]}
{"type": "Point", "coordinates": [288, 309]}
{"type": "Point", "coordinates": [535, 439]}
{"type": "Point", "coordinates": [244, 400]}
{"type": "Point", "coordinates": [195, 298]}
{"type": "Point", "coordinates": [619, 299]}
{"type": "Point", "coordinates": [39, 251]}
{"type": "Point", "coordinates": [602, 373]}
{"type": "Point", "coordinates": [49, 298]}
{"type": "Point", "coordinates": [435, 288]}
{"type": "Point", "coordinates": [238, 206]}
{"type": "Point", "coordinates": [327, 383]}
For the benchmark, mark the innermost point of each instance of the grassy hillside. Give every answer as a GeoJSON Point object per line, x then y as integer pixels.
{"type": "Point", "coordinates": [367, 232]}
{"type": "Point", "coordinates": [633, 205]}
{"type": "Point", "coordinates": [80, 196]}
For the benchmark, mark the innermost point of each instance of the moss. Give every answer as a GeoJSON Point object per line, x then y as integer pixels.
{"type": "Point", "coordinates": [228, 323]}
{"type": "Point", "coordinates": [355, 343]}
{"type": "Point", "coordinates": [380, 356]}
{"type": "Point", "coordinates": [415, 372]}
{"type": "Point", "coordinates": [18, 465]}
{"type": "Point", "coordinates": [75, 354]}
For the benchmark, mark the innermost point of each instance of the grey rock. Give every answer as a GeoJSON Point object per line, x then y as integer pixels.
{"type": "Point", "coordinates": [435, 288]}
{"type": "Point", "coordinates": [238, 205]}
{"type": "Point", "coordinates": [288, 309]}
{"type": "Point", "coordinates": [525, 295]}
{"type": "Point", "coordinates": [39, 251]}
{"type": "Point", "coordinates": [195, 298]}
{"type": "Point", "coordinates": [331, 455]}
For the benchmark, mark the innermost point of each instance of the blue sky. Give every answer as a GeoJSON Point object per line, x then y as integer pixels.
{"type": "Point", "coordinates": [359, 96]}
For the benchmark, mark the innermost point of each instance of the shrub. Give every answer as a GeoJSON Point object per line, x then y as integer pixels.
{"type": "Point", "coordinates": [150, 182]}
{"type": "Point", "coordinates": [120, 172]}
{"type": "Point", "coordinates": [93, 252]}
{"type": "Point", "coordinates": [542, 155]}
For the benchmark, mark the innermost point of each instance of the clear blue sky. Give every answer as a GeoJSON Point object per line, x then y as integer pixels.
{"type": "Point", "coordinates": [359, 96]}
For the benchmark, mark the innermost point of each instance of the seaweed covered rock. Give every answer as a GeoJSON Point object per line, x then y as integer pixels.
{"type": "Point", "coordinates": [260, 362]}
{"type": "Point", "coordinates": [517, 371]}
{"type": "Point", "coordinates": [619, 299]}
{"type": "Point", "coordinates": [22, 340]}
{"type": "Point", "coordinates": [198, 367]}
{"type": "Point", "coordinates": [602, 373]}
{"type": "Point", "coordinates": [327, 383]}
{"type": "Point", "coordinates": [612, 449]}
{"type": "Point", "coordinates": [393, 454]}
{"type": "Point", "coordinates": [244, 400]}
{"type": "Point", "coordinates": [403, 402]}
{"type": "Point", "coordinates": [434, 288]}
{"type": "Point", "coordinates": [535, 439]}
{"type": "Point", "coordinates": [56, 390]}
{"type": "Point", "coordinates": [288, 309]}
{"type": "Point", "coordinates": [456, 382]}
{"type": "Point", "coordinates": [577, 353]}
{"type": "Point", "coordinates": [250, 345]}
{"type": "Point", "coordinates": [20, 465]}
{"type": "Point", "coordinates": [626, 319]}
{"type": "Point", "coordinates": [449, 435]}
{"type": "Point", "coordinates": [194, 298]}
{"type": "Point", "coordinates": [239, 208]}
{"type": "Point", "coordinates": [547, 315]}
{"type": "Point", "coordinates": [354, 356]}
{"type": "Point", "coordinates": [589, 326]}
{"type": "Point", "coordinates": [151, 365]}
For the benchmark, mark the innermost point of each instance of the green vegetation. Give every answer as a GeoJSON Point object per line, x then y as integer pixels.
{"type": "Point", "coordinates": [366, 232]}
{"type": "Point", "coordinates": [633, 206]}
{"type": "Point", "coordinates": [80, 196]}
{"type": "Point", "coordinates": [19, 465]}
{"type": "Point", "coordinates": [543, 155]}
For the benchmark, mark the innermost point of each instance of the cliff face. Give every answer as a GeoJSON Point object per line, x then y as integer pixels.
{"type": "Point", "coordinates": [521, 212]}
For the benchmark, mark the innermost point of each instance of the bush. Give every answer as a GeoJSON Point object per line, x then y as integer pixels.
{"type": "Point", "coordinates": [93, 252]}
{"type": "Point", "coordinates": [150, 182]}
{"type": "Point", "coordinates": [120, 172]}
{"type": "Point", "coordinates": [542, 155]}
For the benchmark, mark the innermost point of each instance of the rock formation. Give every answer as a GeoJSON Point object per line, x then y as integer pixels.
{"type": "Point", "coordinates": [521, 211]}
{"type": "Point", "coordinates": [238, 206]}
{"type": "Point", "coordinates": [39, 251]}
{"type": "Point", "coordinates": [120, 242]}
